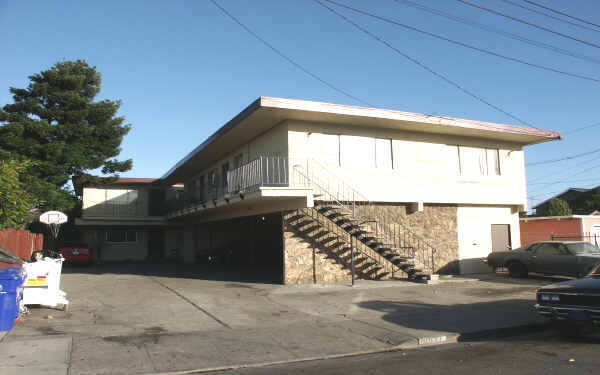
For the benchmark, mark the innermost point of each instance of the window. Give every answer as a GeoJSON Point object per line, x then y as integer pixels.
{"type": "Point", "coordinates": [121, 236]}
{"type": "Point", "coordinates": [224, 171]}
{"type": "Point", "coordinates": [200, 188]}
{"type": "Point", "coordinates": [326, 148]}
{"type": "Point", "coordinates": [548, 249]}
{"type": "Point", "coordinates": [383, 153]}
{"type": "Point", "coordinates": [476, 161]}
{"type": "Point", "coordinates": [237, 161]}
{"type": "Point", "coordinates": [121, 197]}
{"type": "Point", "coordinates": [357, 152]}
{"type": "Point", "coordinates": [212, 179]}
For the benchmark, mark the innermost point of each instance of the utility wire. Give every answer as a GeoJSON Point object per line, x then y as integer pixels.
{"type": "Point", "coordinates": [582, 128]}
{"type": "Point", "coordinates": [564, 181]}
{"type": "Point", "coordinates": [478, 49]}
{"type": "Point", "coordinates": [550, 16]}
{"type": "Point", "coordinates": [425, 67]}
{"type": "Point", "coordinates": [287, 58]}
{"type": "Point", "coordinates": [528, 23]}
{"type": "Point", "coordinates": [469, 22]}
{"type": "Point", "coordinates": [564, 158]}
{"type": "Point", "coordinates": [596, 166]}
{"type": "Point", "coordinates": [561, 13]}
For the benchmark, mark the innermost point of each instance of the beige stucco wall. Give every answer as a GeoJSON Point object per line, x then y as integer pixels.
{"type": "Point", "coordinates": [111, 252]}
{"type": "Point", "coordinates": [94, 199]}
{"type": "Point", "coordinates": [272, 142]}
{"type": "Point", "coordinates": [423, 167]}
{"type": "Point", "coordinates": [475, 234]}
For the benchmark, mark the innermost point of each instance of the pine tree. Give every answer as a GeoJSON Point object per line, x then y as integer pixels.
{"type": "Point", "coordinates": [56, 123]}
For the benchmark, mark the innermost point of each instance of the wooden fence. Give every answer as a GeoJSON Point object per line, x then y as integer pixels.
{"type": "Point", "coordinates": [20, 242]}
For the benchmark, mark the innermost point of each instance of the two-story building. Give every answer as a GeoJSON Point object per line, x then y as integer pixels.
{"type": "Point", "coordinates": [125, 221]}
{"type": "Point", "coordinates": [311, 190]}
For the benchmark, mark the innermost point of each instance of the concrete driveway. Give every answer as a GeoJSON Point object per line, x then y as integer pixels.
{"type": "Point", "coordinates": [144, 318]}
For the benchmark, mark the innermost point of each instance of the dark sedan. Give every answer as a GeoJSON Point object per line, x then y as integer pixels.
{"type": "Point", "coordinates": [573, 304]}
{"type": "Point", "coordinates": [564, 258]}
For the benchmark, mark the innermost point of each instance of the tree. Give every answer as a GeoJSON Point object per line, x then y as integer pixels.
{"type": "Point", "coordinates": [587, 202]}
{"type": "Point", "coordinates": [555, 207]}
{"type": "Point", "coordinates": [56, 123]}
{"type": "Point", "coordinates": [16, 202]}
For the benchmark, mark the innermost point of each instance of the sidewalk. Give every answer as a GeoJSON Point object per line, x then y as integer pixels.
{"type": "Point", "coordinates": [156, 324]}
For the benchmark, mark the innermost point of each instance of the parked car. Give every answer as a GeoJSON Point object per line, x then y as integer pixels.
{"type": "Point", "coordinates": [76, 253]}
{"type": "Point", "coordinates": [564, 258]}
{"type": "Point", "coordinates": [572, 305]}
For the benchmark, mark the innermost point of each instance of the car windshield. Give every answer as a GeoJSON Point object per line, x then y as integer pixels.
{"type": "Point", "coordinates": [583, 248]}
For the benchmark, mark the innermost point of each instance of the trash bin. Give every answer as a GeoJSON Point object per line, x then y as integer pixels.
{"type": "Point", "coordinates": [22, 274]}
{"type": "Point", "coordinates": [42, 286]}
{"type": "Point", "coordinates": [11, 283]}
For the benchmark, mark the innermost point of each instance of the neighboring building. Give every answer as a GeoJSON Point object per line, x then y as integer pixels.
{"type": "Point", "coordinates": [291, 186]}
{"type": "Point", "coordinates": [561, 228]}
{"type": "Point", "coordinates": [570, 195]}
{"type": "Point", "coordinates": [124, 221]}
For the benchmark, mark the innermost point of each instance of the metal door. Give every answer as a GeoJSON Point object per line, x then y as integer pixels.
{"type": "Point", "coordinates": [501, 237]}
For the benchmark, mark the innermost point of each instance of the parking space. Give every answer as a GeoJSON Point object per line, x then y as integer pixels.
{"type": "Point", "coordinates": [159, 317]}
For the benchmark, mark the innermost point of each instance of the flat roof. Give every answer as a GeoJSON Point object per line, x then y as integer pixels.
{"type": "Point", "coordinates": [266, 112]}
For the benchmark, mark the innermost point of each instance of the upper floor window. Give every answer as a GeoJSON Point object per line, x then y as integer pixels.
{"type": "Point", "coordinates": [476, 161]}
{"type": "Point", "coordinates": [121, 197]}
{"type": "Point", "coordinates": [224, 171]}
{"type": "Point", "coordinates": [237, 161]}
{"type": "Point", "coordinates": [357, 152]}
{"type": "Point", "coordinates": [200, 188]}
{"type": "Point", "coordinates": [212, 179]}
{"type": "Point", "coordinates": [383, 153]}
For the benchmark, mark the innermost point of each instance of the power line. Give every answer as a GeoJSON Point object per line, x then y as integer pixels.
{"type": "Point", "coordinates": [287, 58]}
{"type": "Point", "coordinates": [478, 49]}
{"type": "Point", "coordinates": [469, 22]}
{"type": "Point", "coordinates": [597, 166]}
{"type": "Point", "coordinates": [415, 61]}
{"type": "Point", "coordinates": [550, 16]}
{"type": "Point", "coordinates": [564, 158]}
{"type": "Point", "coordinates": [582, 128]}
{"type": "Point", "coordinates": [566, 181]}
{"type": "Point", "coordinates": [561, 13]}
{"type": "Point", "coordinates": [528, 23]}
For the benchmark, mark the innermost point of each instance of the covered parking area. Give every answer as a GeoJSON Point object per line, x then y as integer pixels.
{"type": "Point", "coordinates": [250, 245]}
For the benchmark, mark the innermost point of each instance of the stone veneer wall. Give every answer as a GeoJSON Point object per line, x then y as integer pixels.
{"type": "Point", "coordinates": [436, 224]}
{"type": "Point", "coordinates": [305, 265]}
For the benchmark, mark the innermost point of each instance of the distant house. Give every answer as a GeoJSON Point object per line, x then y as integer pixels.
{"type": "Point", "coordinates": [569, 196]}
{"type": "Point", "coordinates": [308, 191]}
{"type": "Point", "coordinates": [561, 228]}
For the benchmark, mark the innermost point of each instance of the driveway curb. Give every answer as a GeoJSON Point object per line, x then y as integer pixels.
{"type": "Point", "coordinates": [426, 341]}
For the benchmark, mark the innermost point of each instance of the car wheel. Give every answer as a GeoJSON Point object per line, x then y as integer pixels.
{"type": "Point", "coordinates": [517, 269]}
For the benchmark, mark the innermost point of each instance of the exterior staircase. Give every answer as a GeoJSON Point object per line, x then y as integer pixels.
{"type": "Point", "coordinates": [356, 233]}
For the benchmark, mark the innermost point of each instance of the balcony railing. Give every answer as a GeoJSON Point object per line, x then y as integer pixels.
{"type": "Point", "coordinates": [107, 209]}
{"type": "Point", "coordinates": [264, 171]}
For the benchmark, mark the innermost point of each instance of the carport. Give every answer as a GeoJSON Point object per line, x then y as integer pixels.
{"type": "Point", "coordinates": [250, 245]}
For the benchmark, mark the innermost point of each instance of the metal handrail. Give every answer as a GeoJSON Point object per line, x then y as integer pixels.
{"type": "Point", "coordinates": [321, 192]}
{"type": "Point", "coordinates": [359, 246]}
{"type": "Point", "coordinates": [260, 172]}
{"type": "Point", "coordinates": [393, 234]}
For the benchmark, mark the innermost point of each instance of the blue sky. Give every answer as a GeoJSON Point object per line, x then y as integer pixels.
{"type": "Point", "coordinates": [183, 69]}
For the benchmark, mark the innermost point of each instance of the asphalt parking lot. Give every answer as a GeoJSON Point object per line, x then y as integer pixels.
{"type": "Point", "coordinates": [152, 318]}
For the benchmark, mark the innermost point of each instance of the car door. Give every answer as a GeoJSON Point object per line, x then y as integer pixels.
{"type": "Point", "coordinates": [553, 258]}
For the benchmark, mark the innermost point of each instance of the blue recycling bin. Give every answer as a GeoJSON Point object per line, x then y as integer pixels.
{"type": "Point", "coordinates": [11, 290]}
{"type": "Point", "coordinates": [22, 274]}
